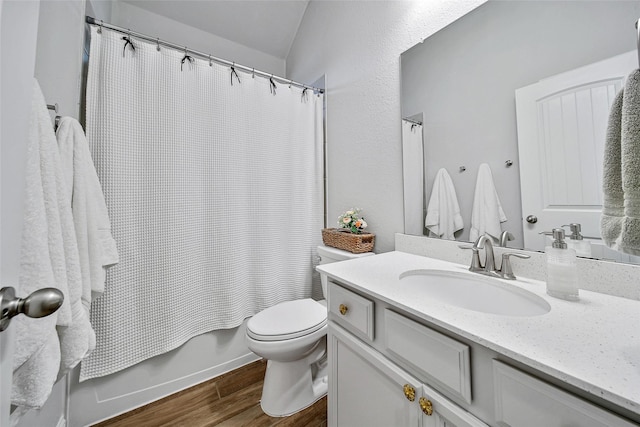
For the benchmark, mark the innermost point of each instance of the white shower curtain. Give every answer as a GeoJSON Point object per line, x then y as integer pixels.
{"type": "Point", "coordinates": [214, 191]}
{"type": "Point", "coordinates": [413, 176]}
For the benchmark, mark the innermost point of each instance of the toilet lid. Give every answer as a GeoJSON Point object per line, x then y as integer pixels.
{"type": "Point", "coordinates": [287, 320]}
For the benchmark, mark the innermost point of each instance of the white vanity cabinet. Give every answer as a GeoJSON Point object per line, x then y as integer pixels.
{"type": "Point", "coordinates": [390, 368]}
{"type": "Point", "coordinates": [366, 388]}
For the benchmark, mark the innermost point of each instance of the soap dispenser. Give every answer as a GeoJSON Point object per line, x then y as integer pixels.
{"type": "Point", "coordinates": [577, 242]}
{"type": "Point", "coordinates": [562, 269]}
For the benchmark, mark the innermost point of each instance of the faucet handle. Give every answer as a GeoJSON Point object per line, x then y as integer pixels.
{"type": "Point", "coordinates": [506, 272]}
{"type": "Point", "coordinates": [475, 258]}
{"type": "Point", "coordinates": [505, 237]}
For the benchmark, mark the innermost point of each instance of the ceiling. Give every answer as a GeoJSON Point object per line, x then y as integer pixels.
{"type": "Point", "coordinates": [269, 26]}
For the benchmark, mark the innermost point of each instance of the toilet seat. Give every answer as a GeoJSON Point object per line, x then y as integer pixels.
{"type": "Point", "coordinates": [287, 320]}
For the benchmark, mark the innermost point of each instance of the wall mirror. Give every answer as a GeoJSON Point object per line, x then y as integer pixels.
{"type": "Point", "coordinates": [461, 85]}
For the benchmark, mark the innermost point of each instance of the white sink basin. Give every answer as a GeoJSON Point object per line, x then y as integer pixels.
{"type": "Point", "coordinates": [472, 291]}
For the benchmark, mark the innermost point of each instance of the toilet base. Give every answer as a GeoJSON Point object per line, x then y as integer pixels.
{"type": "Point", "coordinates": [290, 387]}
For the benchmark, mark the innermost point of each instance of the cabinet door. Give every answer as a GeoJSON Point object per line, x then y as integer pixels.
{"type": "Point", "coordinates": [438, 411]}
{"type": "Point", "coordinates": [365, 389]}
{"type": "Point", "coordinates": [525, 401]}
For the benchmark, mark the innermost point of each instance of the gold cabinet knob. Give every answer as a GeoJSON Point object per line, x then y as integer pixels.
{"type": "Point", "coordinates": [343, 309]}
{"type": "Point", "coordinates": [426, 406]}
{"type": "Point", "coordinates": [409, 392]}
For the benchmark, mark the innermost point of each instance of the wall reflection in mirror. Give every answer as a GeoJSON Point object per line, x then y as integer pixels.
{"type": "Point", "coordinates": [521, 90]}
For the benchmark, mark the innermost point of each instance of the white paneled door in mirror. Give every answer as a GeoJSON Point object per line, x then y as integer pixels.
{"type": "Point", "coordinates": [562, 122]}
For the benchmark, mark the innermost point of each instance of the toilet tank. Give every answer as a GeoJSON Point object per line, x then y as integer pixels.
{"type": "Point", "coordinates": [328, 254]}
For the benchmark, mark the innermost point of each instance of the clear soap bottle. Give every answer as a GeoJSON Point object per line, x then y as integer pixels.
{"type": "Point", "coordinates": [562, 270]}
{"type": "Point", "coordinates": [576, 241]}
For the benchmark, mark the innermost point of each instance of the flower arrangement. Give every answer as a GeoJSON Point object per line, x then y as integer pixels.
{"type": "Point", "coordinates": [352, 220]}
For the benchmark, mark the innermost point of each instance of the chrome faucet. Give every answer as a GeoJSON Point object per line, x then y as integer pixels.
{"type": "Point", "coordinates": [489, 268]}
{"type": "Point", "coordinates": [485, 242]}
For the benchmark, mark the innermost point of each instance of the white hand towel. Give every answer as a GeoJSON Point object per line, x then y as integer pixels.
{"type": "Point", "coordinates": [443, 214]}
{"type": "Point", "coordinates": [48, 259]}
{"type": "Point", "coordinates": [487, 213]}
{"type": "Point", "coordinates": [96, 245]}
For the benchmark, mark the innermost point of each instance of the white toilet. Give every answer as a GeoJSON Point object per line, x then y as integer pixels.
{"type": "Point", "coordinates": [292, 337]}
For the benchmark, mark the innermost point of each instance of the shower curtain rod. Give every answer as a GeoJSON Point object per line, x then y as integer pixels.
{"type": "Point", "coordinates": [92, 21]}
{"type": "Point", "coordinates": [415, 122]}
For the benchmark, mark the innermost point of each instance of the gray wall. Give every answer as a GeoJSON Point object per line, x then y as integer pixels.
{"type": "Point", "coordinates": [357, 45]}
{"type": "Point", "coordinates": [464, 77]}
{"type": "Point", "coordinates": [129, 16]}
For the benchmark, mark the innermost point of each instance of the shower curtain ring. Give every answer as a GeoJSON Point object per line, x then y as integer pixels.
{"type": "Point", "coordinates": [158, 44]}
{"type": "Point", "coordinates": [100, 27]}
{"type": "Point", "coordinates": [210, 61]}
{"type": "Point", "coordinates": [253, 73]}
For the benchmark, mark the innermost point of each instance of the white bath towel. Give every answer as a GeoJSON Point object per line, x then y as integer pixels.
{"type": "Point", "coordinates": [49, 258]}
{"type": "Point", "coordinates": [620, 223]}
{"type": "Point", "coordinates": [96, 246]}
{"type": "Point", "coordinates": [487, 213]}
{"type": "Point", "coordinates": [443, 213]}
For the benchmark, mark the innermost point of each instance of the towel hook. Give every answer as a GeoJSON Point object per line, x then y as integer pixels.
{"type": "Point", "coordinates": [509, 163]}
{"type": "Point", "coordinates": [463, 168]}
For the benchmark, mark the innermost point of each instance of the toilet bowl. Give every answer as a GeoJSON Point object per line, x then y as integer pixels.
{"type": "Point", "coordinates": [291, 336]}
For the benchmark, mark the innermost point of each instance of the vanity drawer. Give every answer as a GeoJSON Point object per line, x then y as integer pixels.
{"type": "Point", "coordinates": [436, 358]}
{"type": "Point", "coordinates": [523, 400]}
{"type": "Point", "coordinates": [351, 311]}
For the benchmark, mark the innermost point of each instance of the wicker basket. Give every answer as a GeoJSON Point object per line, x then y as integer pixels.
{"type": "Point", "coordinates": [345, 240]}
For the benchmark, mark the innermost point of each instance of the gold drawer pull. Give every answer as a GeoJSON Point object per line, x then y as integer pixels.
{"type": "Point", "coordinates": [343, 309]}
{"type": "Point", "coordinates": [409, 392]}
{"type": "Point", "coordinates": [426, 406]}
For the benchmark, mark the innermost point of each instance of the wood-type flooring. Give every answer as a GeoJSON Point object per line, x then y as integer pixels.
{"type": "Point", "coordinates": [230, 400]}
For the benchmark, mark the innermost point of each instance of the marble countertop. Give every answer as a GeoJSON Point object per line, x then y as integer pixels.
{"type": "Point", "coordinates": [592, 344]}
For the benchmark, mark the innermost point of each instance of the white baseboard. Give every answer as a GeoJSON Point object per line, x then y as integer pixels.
{"type": "Point", "coordinates": [149, 395]}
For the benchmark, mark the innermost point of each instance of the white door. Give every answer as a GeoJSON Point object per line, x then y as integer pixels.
{"type": "Point", "coordinates": [18, 31]}
{"type": "Point", "coordinates": [562, 123]}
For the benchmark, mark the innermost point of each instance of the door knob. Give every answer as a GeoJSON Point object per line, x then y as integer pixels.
{"type": "Point", "coordinates": [532, 219]}
{"type": "Point", "coordinates": [40, 303]}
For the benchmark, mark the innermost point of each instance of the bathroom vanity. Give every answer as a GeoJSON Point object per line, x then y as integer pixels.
{"type": "Point", "coordinates": [401, 357]}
